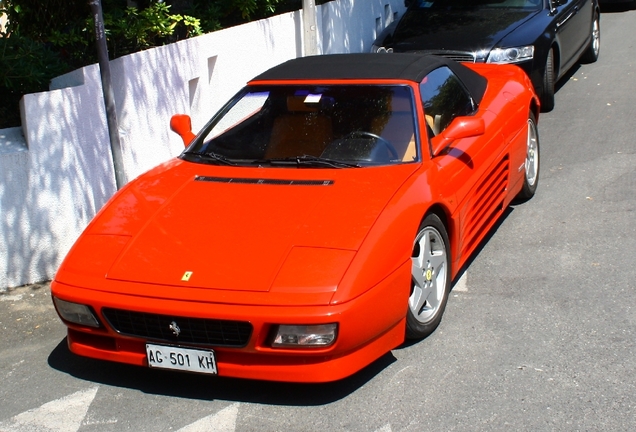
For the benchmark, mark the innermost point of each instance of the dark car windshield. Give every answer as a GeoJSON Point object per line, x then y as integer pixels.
{"type": "Point", "coordinates": [332, 126]}
{"type": "Point", "coordinates": [476, 4]}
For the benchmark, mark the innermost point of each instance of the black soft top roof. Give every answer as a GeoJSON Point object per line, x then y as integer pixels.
{"type": "Point", "coordinates": [403, 66]}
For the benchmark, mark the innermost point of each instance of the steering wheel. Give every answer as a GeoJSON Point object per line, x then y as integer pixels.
{"type": "Point", "coordinates": [384, 141]}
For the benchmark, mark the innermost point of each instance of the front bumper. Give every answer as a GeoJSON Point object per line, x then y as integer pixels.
{"type": "Point", "coordinates": [368, 327]}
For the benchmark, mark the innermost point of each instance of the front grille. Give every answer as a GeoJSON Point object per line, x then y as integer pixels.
{"type": "Point", "coordinates": [459, 56]}
{"type": "Point", "coordinates": [196, 331]}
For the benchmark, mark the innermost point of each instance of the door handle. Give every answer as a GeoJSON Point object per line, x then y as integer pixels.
{"type": "Point", "coordinates": [560, 23]}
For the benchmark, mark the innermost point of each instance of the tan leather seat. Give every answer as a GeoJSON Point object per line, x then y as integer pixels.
{"type": "Point", "coordinates": [398, 129]}
{"type": "Point", "coordinates": [302, 131]}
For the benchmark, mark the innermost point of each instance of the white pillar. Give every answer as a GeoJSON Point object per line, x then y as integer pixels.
{"type": "Point", "coordinates": [310, 28]}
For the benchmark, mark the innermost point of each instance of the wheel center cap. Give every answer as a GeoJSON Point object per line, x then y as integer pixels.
{"type": "Point", "coordinates": [428, 274]}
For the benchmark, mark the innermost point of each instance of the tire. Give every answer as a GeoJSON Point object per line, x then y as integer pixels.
{"type": "Point", "coordinates": [430, 278]}
{"type": "Point", "coordinates": [591, 53]}
{"type": "Point", "coordinates": [531, 164]}
{"type": "Point", "coordinates": [547, 93]}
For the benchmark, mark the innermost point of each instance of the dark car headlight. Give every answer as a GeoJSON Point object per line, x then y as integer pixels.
{"type": "Point", "coordinates": [511, 55]}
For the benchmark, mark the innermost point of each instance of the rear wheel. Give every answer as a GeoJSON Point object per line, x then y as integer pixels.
{"type": "Point", "coordinates": [531, 165]}
{"type": "Point", "coordinates": [547, 95]}
{"type": "Point", "coordinates": [430, 278]}
{"type": "Point", "coordinates": [591, 53]}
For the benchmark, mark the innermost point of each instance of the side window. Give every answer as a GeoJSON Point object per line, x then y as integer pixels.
{"type": "Point", "coordinates": [444, 98]}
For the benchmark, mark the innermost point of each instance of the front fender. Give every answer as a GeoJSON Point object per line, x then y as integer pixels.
{"type": "Point", "coordinates": [389, 243]}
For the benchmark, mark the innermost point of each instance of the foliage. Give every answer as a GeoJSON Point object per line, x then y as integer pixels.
{"type": "Point", "coordinates": [218, 14]}
{"type": "Point", "coordinates": [34, 18]}
{"type": "Point", "coordinates": [46, 38]}
{"type": "Point", "coordinates": [131, 30]}
{"type": "Point", "coordinates": [128, 29]}
{"type": "Point", "coordinates": [26, 66]}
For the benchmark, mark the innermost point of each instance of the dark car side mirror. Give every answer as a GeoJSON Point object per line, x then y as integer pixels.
{"type": "Point", "coordinates": [182, 125]}
{"type": "Point", "coordinates": [555, 4]}
{"type": "Point", "coordinates": [460, 127]}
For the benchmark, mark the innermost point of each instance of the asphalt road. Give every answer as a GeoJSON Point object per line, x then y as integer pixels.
{"type": "Point", "coordinates": [538, 335]}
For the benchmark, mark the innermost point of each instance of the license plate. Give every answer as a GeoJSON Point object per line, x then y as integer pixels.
{"type": "Point", "coordinates": [184, 359]}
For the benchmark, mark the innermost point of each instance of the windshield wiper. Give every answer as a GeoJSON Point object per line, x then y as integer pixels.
{"type": "Point", "coordinates": [214, 156]}
{"type": "Point", "coordinates": [308, 161]}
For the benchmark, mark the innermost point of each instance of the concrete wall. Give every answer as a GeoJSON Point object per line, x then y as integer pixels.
{"type": "Point", "coordinates": [56, 170]}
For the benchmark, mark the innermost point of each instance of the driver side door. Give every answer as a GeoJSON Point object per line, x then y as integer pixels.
{"type": "Point", "coordinates": [474, 170]}
{"type": "Point", "coordinates": [572, 26]}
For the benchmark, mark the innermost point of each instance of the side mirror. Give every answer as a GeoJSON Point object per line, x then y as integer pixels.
{"type": "Point", "coordinates": [554, 4]}
{"type": "Point", "coordinates": [182, 125]}
{"type": "Point", "coordinates": [461, 127]}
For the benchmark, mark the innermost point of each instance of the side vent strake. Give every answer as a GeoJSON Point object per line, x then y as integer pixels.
{"type": "Point", "coordinates": [483, 211]}
{"type": "Point", "coordinates": [277, 182]}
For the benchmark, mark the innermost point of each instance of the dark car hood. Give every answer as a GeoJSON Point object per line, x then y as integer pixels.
{"type": "Point", "coordinates": [463, 30]}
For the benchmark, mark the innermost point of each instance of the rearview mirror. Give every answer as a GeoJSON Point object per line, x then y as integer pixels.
{"type": "Point", "coordinates": [182, 125]}
{"type": "Point", "coordinates": [460, 127]}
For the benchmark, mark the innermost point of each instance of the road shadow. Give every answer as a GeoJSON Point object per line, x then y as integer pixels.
{"type": "Point", "coordinates": [203, 387]}
{"type": "Point", "coordinates": [565, 78]}
{"type": "Point", "coordinates": [507, 212]}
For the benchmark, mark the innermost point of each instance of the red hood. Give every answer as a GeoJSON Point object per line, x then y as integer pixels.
{"type": "Point", "coordinates": [233, 228]}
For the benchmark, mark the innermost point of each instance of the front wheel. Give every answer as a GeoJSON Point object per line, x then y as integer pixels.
{"type": "Point", "coordinates": [547, 93]}
{"type": "Point", "coordinates": [591, 53]}
{"type": "Point", "coordinates": [430, 278]}
{"type": "Point", "coordinates": [531, 164]}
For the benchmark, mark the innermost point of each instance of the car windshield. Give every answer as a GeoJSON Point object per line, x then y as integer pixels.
{"type": "Point", "coordinates": [476, 4]}
{"type": "Point", "coordinates": [323, 126]}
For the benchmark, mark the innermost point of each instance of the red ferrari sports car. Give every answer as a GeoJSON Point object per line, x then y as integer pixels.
{"type": "Point", "coordinates": [313, 224]}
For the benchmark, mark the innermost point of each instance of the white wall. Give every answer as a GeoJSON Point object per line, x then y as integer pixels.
{"type": "Point", "coordinates": [56, 171]}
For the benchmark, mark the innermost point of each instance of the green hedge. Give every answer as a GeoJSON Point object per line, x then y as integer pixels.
{"type": "Point", "coordinates": [47, 38]}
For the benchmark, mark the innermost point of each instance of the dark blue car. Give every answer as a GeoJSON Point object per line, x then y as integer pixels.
{"type": "Point", "coordinates": [544, 37]}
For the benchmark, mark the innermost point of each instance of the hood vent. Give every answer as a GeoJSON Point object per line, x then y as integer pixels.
{"type": "Point", "coordinates": [278, 182]}
{"type": "Point", "coordinates": [459, 56]}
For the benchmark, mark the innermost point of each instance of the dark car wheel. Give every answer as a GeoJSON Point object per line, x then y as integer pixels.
{"type": "Point", "coordinates": [430, 278]}
{"type": "Point", "coordinates": [547, 95]}
{"type": "Point", "coordinates": [531, 164]}
{"type": "Point", "coordinates": [591, 53]}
